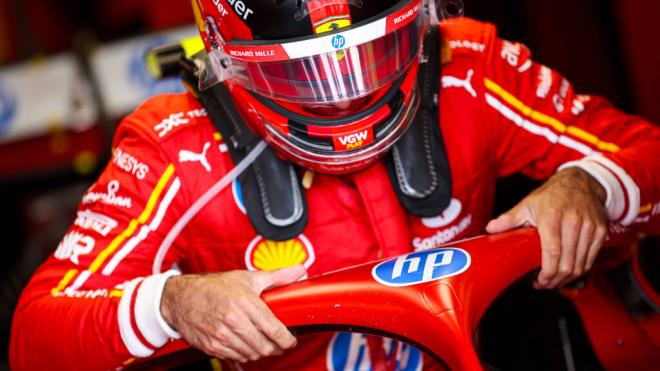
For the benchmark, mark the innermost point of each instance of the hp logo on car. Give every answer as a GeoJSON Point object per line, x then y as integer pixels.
{"type": "Point", "coordinates": [421, 267]}
{"type": "Point", "coordinates": [351, 352]}
{"type": "Point", "coordinates": [338, 41]}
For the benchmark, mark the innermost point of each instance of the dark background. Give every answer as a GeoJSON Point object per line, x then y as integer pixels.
{"type": "Point", "coordinates": [605, 47]}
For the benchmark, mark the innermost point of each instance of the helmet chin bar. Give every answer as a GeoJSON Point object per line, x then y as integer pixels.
{"type": "Point", "coordinates": [348, 162]}
{"type": "Point", "coordinates": [401, 102]}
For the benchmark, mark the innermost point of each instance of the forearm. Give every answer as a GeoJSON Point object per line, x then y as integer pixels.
{"type": "Point", "coordinates": [93, 329]}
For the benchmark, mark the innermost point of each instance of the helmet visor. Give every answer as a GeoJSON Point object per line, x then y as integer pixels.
{"type": "Point", "coordinates": [347, 72]}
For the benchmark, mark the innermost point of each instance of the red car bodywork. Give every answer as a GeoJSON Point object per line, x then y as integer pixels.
{"type": "Point", "coordinates": [441, 316]}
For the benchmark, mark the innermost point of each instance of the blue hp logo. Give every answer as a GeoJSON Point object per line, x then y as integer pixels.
{"type": "Point", "coordinates": [8, 107]}
{"type": "Point", "coordinates": [423, 266]}
{"type": "Point", "coordinates": [350, 352]}
{"type": "Point", "coordinates": [338, 41]}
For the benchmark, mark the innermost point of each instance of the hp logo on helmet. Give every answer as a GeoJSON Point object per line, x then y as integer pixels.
{"type": "Point", "coordinates": [421, 267]}
{"type": "Point", "coordinates": [338, 41]}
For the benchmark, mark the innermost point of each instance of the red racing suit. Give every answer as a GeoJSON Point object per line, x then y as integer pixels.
{"type": "Point", "coordinates": [94, 303]}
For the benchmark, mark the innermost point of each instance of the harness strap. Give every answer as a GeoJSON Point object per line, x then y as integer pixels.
{"type": "Point", "coordinates": [417, 164]}
{"type": "Point", "coordinates": [273, 198]}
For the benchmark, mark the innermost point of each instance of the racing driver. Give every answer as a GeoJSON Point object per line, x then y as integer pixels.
{"type": "Point", "coordinates": [350, 130]}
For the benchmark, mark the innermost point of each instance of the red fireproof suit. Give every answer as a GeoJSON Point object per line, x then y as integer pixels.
{"type": "Point", "coordinates": [94, 303]}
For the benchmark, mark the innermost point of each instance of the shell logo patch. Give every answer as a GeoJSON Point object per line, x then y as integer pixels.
{"type": "Point", "coordinates": [265, 255]}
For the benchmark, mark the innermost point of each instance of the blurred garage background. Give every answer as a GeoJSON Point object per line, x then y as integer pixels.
{"type": "Point", "coordinates": [70, 69]}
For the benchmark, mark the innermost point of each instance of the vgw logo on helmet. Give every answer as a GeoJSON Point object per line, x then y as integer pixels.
{"type": "Point", "coordinates": [338, 41]}
{"type": "Point", "coordinates": [349, 351]}
{"type": "Point", "coordinates": [421, 267]}
{"type": "Point", "coordinates": [8, 107]}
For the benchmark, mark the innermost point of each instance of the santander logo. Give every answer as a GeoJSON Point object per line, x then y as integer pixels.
{"type": "Point", "coordinates": [449, 215]}
{"type": "Point", "coordinates": [355, 140]}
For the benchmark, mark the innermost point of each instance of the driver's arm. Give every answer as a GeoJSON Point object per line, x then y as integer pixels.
{"type": "Point", "coordinates": [603, 165]}
{"type": "Point", "coordinates": [96, 302]}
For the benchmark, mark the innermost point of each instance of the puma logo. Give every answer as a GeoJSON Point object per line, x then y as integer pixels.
{"type": "Point", "coordinates": [455, 82]}
{"type": "Point", "coordinates": [188, 156]}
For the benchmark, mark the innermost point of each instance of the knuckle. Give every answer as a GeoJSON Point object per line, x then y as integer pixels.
{"type": "Point", "coordinates": [290, 342]}
{"type": "Point", "coordinates": [216, 349]}
{"type": "Point", "coordinates": [231, 320]}
{"type": "Point", "coordinates": [244, 301]}
{"type": "Point", "coordinates": [549, 272]}
{"type": "Point", "coordinates": [589, 228]}
{"type": "Point", "coordinates": [222, 334]}
{"type": "Point", "coordinates": [268, 350]}
{"type": "Point", "coordinates": [572, 217]}
{"type": "Point", "coordinates": [275, 332]}
{"type": "Point", "coordinates": [554, 251]}
{"type": "Point", "coordinates": [553, 212]}
{"type": "Point", "coordinates": [565, 271]}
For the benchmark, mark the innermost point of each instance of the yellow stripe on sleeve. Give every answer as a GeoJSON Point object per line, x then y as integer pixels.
{"type": "Point", "coordinates": [646, 209]}
{"type": "Point", "coordinates": [153, 199]}
{"type": "Point", "coordinates": [116, 293]}
{"type": "Point", "coordinates": [548, 120]}
{"type": "Point", "coordinates": [64, 282]}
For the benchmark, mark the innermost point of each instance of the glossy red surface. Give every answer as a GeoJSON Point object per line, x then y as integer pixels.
{"type": "Point", "coordinates": [439, 315]}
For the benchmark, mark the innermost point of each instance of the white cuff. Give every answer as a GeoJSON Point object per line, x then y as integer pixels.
{"type": "Point", "coordinates": [141, 315]}
{"type": "Point", "coordinates": [124, 314]}
{"type": "Point", "coordinates": [623, 197]}
{"type": "Point", "coordinates": [172, 333]}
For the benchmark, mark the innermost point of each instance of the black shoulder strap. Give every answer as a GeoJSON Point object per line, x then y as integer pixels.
{"type": "Point", "coordinates": [274, 201]}
{"type": "Point", "coordinates": [418, 164]}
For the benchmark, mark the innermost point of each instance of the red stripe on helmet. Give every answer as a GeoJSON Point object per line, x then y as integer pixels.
{"type": "Point", "coordinates": [322, 12]}
{"type": "Point", "coordinates": [404, 16]}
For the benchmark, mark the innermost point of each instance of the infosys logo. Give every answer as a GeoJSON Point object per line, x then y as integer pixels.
{"type": "Point", "coordinates": [422, 267]}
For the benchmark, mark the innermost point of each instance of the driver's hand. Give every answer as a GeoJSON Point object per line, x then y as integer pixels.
{"type": "Point", "coordinates": [222, 314]}
{"type": "Point", "coordinates": [571, 219]}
